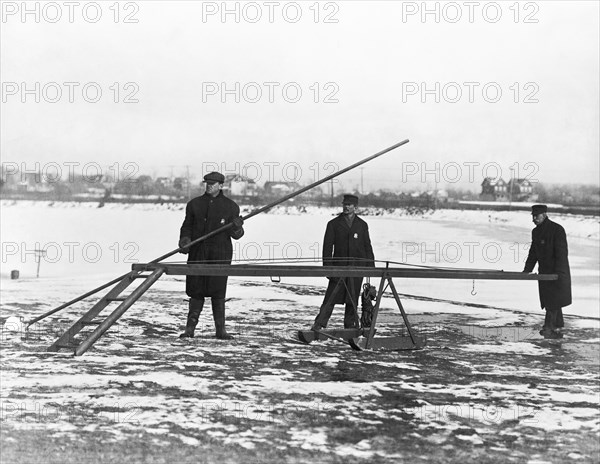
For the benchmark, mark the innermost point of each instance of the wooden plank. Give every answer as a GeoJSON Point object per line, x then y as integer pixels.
{"type": "Point", "coordinates": [372, 329]}
{"type": "Point", "coordinates": [67, 337]}
{"type": "Point", "coordinates": [275, 270]}
{"type": "Point", "coordinates": [307, 336]}
{"type": "Point", "coordinates": [118, 312]}
{"type": "Point", "coordinates": [389, 343]}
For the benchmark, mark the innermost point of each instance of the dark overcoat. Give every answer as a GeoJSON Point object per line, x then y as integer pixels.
{"type": "Point", "coordinates": [549, 249]}
{"type": "Point", "coordinates": [346, 246]}
{"type": "Point", "coordinates": [204, 214]}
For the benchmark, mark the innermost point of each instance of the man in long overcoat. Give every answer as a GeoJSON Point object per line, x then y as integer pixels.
{"type": "Point", "coordinates": [549, 249]}
{"type": "Point", "coordinates": [346, 243]}
{"type": "Point", "coordinates": [203, 215]}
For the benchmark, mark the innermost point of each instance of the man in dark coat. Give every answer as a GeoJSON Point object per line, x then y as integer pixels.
{"type": "Point", "coordinates": [346, 243]}
{"type": "Point", "coordinates": [549, 249]}
{"type": "Point", "coordinates": [204, 214]}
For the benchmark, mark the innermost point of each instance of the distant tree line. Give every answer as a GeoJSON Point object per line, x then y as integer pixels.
{"type": "Point", "coordinates": [181, 189]}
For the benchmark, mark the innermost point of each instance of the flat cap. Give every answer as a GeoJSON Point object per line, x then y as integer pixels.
{"type": "Point", "coordinates": [350, 199]}
{"type": "Point", "coordinates": [538, 209]}
{"type": "Point", "coordinates": [214, 177]}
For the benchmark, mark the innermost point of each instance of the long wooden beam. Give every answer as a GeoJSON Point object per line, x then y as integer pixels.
{"type": "Point", "coordinates": [277, 270]}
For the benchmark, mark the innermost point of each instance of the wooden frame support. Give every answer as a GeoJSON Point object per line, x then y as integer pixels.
{"type": "Point", "coordinates": [395, 343]}
{"type": "Point", "coordinates": [368, 341]}
{"type": "Point", "coordinates": [359, 339]}
{"type": "Point", "coordinates": [67, 340]}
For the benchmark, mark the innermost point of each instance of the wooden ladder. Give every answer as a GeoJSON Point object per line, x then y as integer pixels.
{"type": "Point", "coordinates": [68, 341]}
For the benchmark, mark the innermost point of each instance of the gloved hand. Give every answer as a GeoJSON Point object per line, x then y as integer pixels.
{"type": "Point", "coordinates": [237, 222]}
{"type": "Point", "coordinates": [183, 241]}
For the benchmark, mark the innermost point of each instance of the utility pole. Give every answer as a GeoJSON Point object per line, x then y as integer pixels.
{"type": "Point", "coordinates": [38, 259]}
{"type": "Point", "coordinates": [511, 189]}
{"type": "Point", "coordinates": [331, 189]}
{"type": "Point", "coordinates": [187, 176]}
{"type": "Point", "coordinates": [362, 190]}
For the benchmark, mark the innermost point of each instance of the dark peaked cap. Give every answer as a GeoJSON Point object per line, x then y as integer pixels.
{"type": "Point", "coordinates": [538, 209]}
{"type": "Point", "coordinates": [214, 177]}
{"type": "Point", "coordinates": [352, 199]}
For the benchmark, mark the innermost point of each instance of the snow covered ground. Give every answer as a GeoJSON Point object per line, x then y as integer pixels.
{"type": "Point", "coordinates": [487, 387]}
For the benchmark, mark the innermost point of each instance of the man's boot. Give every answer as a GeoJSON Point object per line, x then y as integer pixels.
{"type": "Point", "coordinates": [547, 322]}
{"type": "Point", "coordinates": [196, 306]}
{"type": "Point", "coordinates": [218, 308]}
{"type": "Point", "coordinates": [551, 323]}
{"type": "Point", "coordinates": [560, 321]}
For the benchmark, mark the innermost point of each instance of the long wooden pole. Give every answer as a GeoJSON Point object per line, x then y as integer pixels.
{"type": "Point", "coordinates": [281, 200]}
{"type": "Point", "coordinates": [221, 229]}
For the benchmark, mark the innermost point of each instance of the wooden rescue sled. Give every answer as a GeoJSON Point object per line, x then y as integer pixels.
{"type": "Point", "coordinates": [359, 339]}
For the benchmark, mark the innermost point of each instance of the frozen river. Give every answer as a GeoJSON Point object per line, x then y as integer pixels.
{"type": "Point", "coordinates": [86, 245]}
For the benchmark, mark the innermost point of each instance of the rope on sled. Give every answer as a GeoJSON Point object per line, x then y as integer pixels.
{"type": "Point", "coordinates": [368, 295]}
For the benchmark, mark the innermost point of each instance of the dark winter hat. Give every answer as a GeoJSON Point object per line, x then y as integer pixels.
{"type": "Point", "coordinates": [538, 209]}
{"type": "Point", "coordinates": [214, 177]}
{"type": "Point", "coordinates": [350, 199]}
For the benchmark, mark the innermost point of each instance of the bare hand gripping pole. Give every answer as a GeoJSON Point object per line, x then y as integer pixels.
{"type": "Point", "coordinates": [223, 228]}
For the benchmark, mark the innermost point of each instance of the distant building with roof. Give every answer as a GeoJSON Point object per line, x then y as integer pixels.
{"type": "Point", "coordinates": [240, 186]}
{"type": "Point", "coordinates": [493, 189]}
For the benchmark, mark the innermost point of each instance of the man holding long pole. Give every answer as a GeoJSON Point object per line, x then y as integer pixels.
{"type": "Point", "coordinates": [203, 215]}
{"type": "Point", "coordinates": [223, 228]}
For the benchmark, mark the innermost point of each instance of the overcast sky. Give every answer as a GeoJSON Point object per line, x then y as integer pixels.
{"type": "Point", "coordinates": [293, 90]}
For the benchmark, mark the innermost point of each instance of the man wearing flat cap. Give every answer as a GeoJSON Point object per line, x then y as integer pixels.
{"type": "Point", "coordinates": [549, 250]}
{"type": "Point", "coordinates": [346, 243]}
{"type": "Point", "coordinates": [203, 215]}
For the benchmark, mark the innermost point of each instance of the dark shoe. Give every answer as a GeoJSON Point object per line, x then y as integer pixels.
{"type": "Point", "coordinates": [552, 334]}
{"type": "Point", "coordinates": [218, 308]}
{"type": "Point", "coordinates": [195, 306]}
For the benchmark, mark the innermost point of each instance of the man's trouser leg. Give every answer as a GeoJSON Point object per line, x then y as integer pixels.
{"type": "Point", "coordinates": [218, 308]}
{"type": "Point", "coordinates": [350, 317]}
{"type": "Point", "coordinates": [195, 308]}
{"type": "Point", "coordinates": [322, 318]}
{"type": "Point", "coordinates": [326, 309]}
{"type": "Point", "coordinates": [351, 311]}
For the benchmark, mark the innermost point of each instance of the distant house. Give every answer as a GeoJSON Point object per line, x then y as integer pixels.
{"type": "Point", "coordinates": [494, 189]}
{"type": "Point", "coordinates": [240, 186]}
{"type": "Point", "coordinates": [280, 188]}
{"type": "Point", "coordinates": [439, 196]}
{"type": "Point", "coordinates": [34, 182]}
{"type": "Point", "coordinates": [520, 190]}
{"type": "Point", "coordinates": [181, 183]}
{"type": "Point", "coordinates": [164, 182]}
